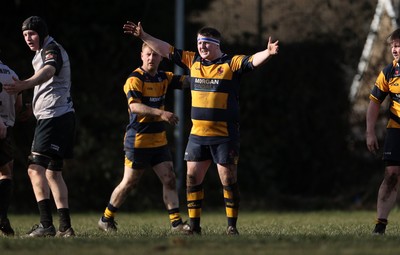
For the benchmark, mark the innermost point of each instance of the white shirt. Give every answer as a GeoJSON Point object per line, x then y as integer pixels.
{"type": "Point", "coordinates": [7, 101]}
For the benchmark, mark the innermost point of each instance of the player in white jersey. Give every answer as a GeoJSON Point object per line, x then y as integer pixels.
{"type": "Point", "coordinates": [9, 104]}
{"type": "Point", "coordinates": [53, 109]}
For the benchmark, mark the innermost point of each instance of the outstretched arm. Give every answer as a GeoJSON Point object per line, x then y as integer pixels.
{"type": "Point", "coordinates": [39, 77]}
{"type": "Point", "coordinates": [161, 47]}
{"type": "Point", "coordinates": [263, 56]}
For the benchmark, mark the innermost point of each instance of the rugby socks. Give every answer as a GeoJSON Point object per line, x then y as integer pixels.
{"type": "Point", "coordinates": [232, 200]}
{"type": "Point", "coordinates": [46, 219]}
{"type": "Point", "coordinates": [5, 197]}
{"type": "Point", "coordinates": [380, 226]}
{"type": "Point", "coordinates": [195, 196]}
{"type": "Point", "coordinates": [381, 221]}
{"type": "Point", "coordinates": [109, 213]}
{"type": "Point", "coordinates": [65, 219]}
{"type": "Point", "coordinates": [175, 217]}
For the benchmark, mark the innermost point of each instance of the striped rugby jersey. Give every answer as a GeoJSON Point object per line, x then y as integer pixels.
{"type": "Point", "coordinates": [141, 87]}
{"type": "Point", "coordinates": [388, 83]}
{"type": "Point", "coordinates": [215, 94]}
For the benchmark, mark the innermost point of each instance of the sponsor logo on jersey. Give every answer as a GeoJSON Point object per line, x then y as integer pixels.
{"type": "Point", "coordinates": [220, 70]}
{"type": "Point", "coordinates": [156, 99]}
{"type": "Point", "coordinates": [50, 55]}
{"type": "Point", "coordinates": [206, 84]}
{"type": "Point", "coordinates": [191, 204]}
{"type": "Point", "coordinates": [396, 72]}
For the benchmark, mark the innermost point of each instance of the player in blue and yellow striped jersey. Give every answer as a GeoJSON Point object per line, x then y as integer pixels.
{"type": "Point", "coordinates": [145, 141]}
{"type": "Point", "coordinates": [214, 137]}
{"type": "Point", "coordinates": [387, 83]}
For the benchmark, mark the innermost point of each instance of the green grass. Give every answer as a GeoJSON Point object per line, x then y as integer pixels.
{"type": "Point", "coordinates": [294, 233]}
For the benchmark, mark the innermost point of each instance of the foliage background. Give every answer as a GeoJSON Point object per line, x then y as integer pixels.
{"type": "Point", "coordinates": [297, 151]}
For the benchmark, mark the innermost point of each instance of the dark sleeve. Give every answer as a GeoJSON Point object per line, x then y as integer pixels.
{"type": "Point", "coordinates": [242, 64]}
{"type": "Point", "coordinates": [181, 58]}
{"type": "Point", "coordinates": [51, 55]}
{"type": "Point", "coordinates": [179, 82]}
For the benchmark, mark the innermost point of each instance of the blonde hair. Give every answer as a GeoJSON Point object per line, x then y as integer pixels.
{"type": "Point", "coordinates": [144, 45]}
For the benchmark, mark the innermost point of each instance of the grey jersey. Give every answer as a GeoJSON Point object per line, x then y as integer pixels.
{"type": "Point", "coordinates": [7, 101]}
{"type": "Point", "coordinates": [52, 98]}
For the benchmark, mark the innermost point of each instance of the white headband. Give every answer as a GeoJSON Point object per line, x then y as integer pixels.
{"type": "Point", "coordinates": [208, 39]}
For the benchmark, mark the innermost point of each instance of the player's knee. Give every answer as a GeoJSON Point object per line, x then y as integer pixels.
{"type": "Point", "coordinates": [128, 183]}
{"type": "Point", "coordinates": [56, 165]}
{"type": "Point", "coordinates": [54, 176]}
{"type": "Point", "coordinates": [170, 182]}
{"type": "Point", "coordinates": [126, 187]}
{"type": "Point", "coordinates": [38, 159]}
{"type": "Point", "coordinates": [191, 180]}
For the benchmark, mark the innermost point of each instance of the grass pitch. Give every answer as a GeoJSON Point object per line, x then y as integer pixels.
{"type": "Point", "coordinates": [294, 233]}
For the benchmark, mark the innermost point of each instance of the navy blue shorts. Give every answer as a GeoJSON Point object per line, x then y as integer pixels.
{"type": "Point", "coordinates": [391, 149]}
{"type": "Point", "coordinates": [7, 148]}
{"type": "Point", "coordinates": [54, 137]}
{"type": "Point", "coordinates": [224, 153]}
{"type": "Point", "coordinates": [140, 158]}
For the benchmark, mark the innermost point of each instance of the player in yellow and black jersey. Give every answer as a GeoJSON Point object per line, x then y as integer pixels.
{"type": "Point", "coordinates": [215, 94]}
{"type": "Point", "coordinates": [214, 137]}
{"type": "Point", "coordinates": [148, 130]}
{"type": "Point", "coordinates": [145, 141]}
{"type": "Point", "coordinates": [387, 83]}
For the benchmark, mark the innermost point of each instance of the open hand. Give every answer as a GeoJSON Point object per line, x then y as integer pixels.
{"type": "Point", "coordinates": [133, 29]}
{"type": "Point", "coordinates": [13, 88]}
{"type": "Point", "coordinates": [272, 47]}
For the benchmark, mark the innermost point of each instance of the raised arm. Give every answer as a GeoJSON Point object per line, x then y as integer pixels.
{"type": "Point", "coordinates": [161, 47]}
{"type": "Point", "coordinates": [263, 56]}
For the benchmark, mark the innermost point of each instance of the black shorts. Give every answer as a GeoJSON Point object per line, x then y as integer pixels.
{"type": "Point", "coordinates": [143, 157]}
{"type": "Point", "coordinates": [7, 148]}
{"type": "Point", "coordinates": [391, 149]}
{"type": "Point", "coordinates": [224, 153]}
{"type": "Point", "coordinates": [54, 137]}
